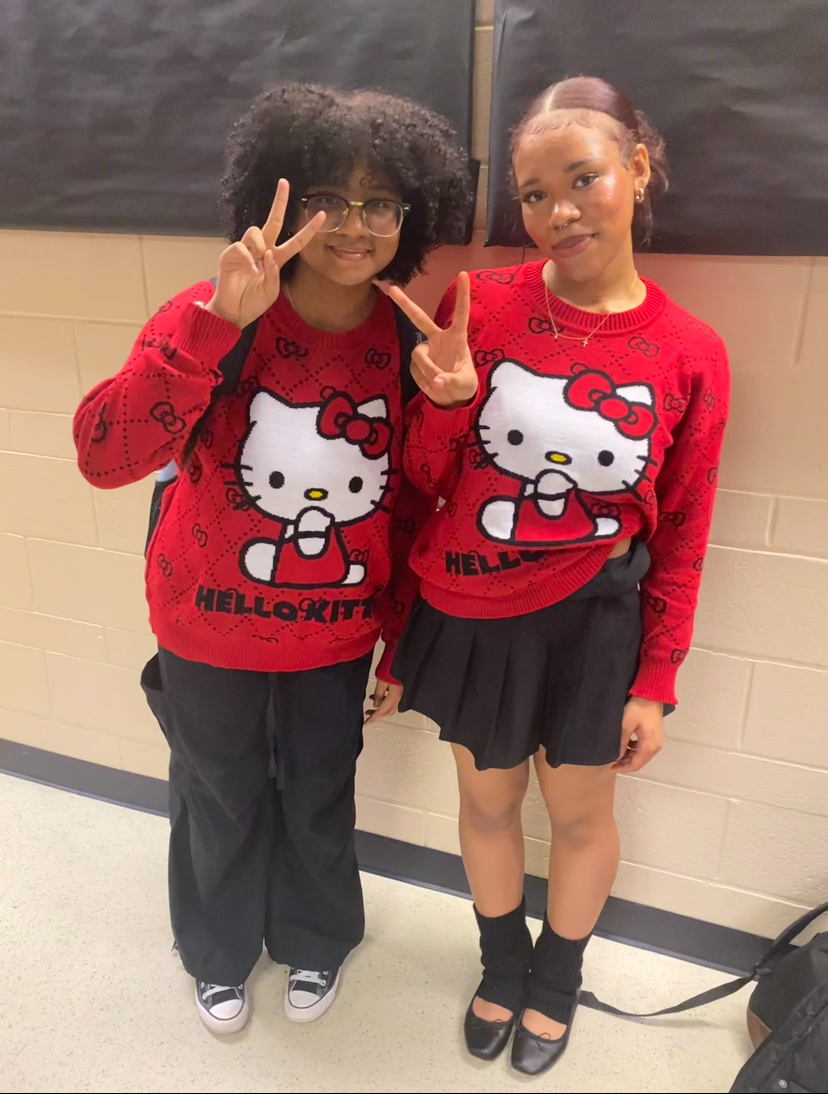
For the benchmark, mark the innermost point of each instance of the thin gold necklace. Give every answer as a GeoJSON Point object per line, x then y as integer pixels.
{"type": "Point", "coordinates": [576, 337]}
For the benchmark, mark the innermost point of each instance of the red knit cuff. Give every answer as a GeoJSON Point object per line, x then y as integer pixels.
{"type": "Point", "coordinates": [206, 337]}
{"type": "Point", "coordinates": [443, 423]}
{"type": "Point", "coordinates": [656, 680]}
{"type": "Point", "coordinates": [384, 672]}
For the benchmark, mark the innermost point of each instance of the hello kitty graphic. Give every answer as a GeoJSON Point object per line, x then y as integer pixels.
{"type": "Point", "coordinates": [562, 438]}
{"type": "Point", "coordinates": [315, 468]}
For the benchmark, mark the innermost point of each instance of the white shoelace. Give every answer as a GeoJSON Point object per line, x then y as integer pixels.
{"type": "Point", "coordinates": [209, 990]}
{"type": "Point", "coordinates": [309, 976]}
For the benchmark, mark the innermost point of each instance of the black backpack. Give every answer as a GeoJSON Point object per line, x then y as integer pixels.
{"type": "Point", "coordinates": [787, 1014]}
{"type": "Point", "coordinates": [231, 367]}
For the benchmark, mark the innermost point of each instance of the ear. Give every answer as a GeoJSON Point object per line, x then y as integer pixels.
{"type": "Point", "coordinates": [265, 405]}
{"type": "Point", "coordinates": [374, 408]}
{"type": "Point", "coordinates": [640, 165]}
{"type": "Point", "coordinates": [637, 393]}
{"type": "Point", "coordinates": [507, 373]}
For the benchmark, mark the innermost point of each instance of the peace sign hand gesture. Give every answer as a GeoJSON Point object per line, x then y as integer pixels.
{"type": "Point", "coordinates": [249, 271]}
{"type": "Point", "coordinates": [443, 367]}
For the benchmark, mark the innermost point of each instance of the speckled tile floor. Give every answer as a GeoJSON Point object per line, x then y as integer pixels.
{"type": "Point", "coordinates": [93, 1000]}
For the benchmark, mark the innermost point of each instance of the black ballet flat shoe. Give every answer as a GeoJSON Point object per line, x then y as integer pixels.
{"type": "Point", "coordinates": [534, 1055]}
{"type": "Point", "coordinates": [486, 1040]}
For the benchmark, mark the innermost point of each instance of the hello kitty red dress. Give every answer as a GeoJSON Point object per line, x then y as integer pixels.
{"type": "Point", "coordinates": [567, 449]}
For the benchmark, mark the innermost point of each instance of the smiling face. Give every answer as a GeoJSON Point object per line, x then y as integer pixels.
{"type": "Point", "coordinates": [577, 179]}
{"type": "Point", "coordinates": [351, 255]}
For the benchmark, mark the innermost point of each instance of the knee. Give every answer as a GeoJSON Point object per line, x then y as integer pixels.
{"type": "Point", "coordinates": [583, 830]}
{"type": "Point", "coordinates": [235, 785]}
{"type": "Point", "coordinates": [489, 817]}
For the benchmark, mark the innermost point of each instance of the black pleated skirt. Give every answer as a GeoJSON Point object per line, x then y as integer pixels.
{"type": "Point", "coordinates": [559, 677]}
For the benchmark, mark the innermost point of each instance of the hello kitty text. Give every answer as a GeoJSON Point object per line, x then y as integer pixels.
{"type": "Point", "coordinates": [308, 610]}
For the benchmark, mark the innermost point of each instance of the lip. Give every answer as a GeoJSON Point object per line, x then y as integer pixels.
{"type": "Point", "coordinates": [573, 246]}
{"type": "Point", "coordinates": [347, 255]}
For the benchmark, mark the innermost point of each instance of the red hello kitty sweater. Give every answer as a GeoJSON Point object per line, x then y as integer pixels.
{"type": "Point", "coordinates": [284, 543]}
{"type": "Point", "coordinates": [567, 449]}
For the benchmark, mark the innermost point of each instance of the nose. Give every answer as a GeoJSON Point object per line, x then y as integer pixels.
{"type": "Point", "coordinates": [563, 213]}
{"type": "Point", "coordinates": [316, 495]}
{"type": "Point", "coordinates": [560, 458]}
{"type": "Point", "coordinates": [354, 224]}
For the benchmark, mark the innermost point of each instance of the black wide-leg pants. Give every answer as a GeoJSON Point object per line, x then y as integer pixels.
{"type": "Point", "coordinates": [255, 860]}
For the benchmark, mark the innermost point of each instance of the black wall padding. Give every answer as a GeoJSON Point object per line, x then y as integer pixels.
{"type": "Point", "coordinates": [114, 113]}
{"type": "Point", "coordinates": [739, 89]}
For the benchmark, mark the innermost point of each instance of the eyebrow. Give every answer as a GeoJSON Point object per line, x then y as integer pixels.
{"type": "Point", "coordinates": [576, 166]}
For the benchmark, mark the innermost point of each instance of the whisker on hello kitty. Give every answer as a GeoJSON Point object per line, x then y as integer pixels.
{"type": "Point", "coordinates": [635, 488]}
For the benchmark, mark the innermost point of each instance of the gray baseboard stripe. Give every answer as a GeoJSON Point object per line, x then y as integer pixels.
{"type": "Point", "coordinates": [622, 920]}
{"type": "Point", "coordinates": [82, 777]}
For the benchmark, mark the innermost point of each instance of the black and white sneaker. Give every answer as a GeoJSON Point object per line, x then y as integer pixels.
{"type": "Point", "coordinates": [222, 1009]}
{"type": "Point", "coordinates": [310, 994]}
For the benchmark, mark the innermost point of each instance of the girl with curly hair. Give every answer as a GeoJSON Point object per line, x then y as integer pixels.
{"type": "Point", "coordinates": [572, 416]}
{"type": "Point", "coordinates": [280, 555]}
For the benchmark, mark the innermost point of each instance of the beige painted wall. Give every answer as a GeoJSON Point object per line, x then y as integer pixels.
{"type": "Point", "coordinates": [729, 824]}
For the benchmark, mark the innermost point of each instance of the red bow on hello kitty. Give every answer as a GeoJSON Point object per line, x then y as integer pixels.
{"type": "Point", "coordinates": [593, 390]}
{"type": "Point", "coordinates": [340, 417]}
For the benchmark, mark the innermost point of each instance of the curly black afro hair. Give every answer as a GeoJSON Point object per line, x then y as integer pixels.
{"type": "Point", "coordinates": [316, 136]}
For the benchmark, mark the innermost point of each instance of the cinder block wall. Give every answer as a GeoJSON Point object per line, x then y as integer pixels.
{"type": "Point", "coordinates": [730, 824]}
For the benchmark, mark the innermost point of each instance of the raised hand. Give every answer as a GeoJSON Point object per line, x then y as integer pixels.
{"type": "Point", "coordinates": [249, 271]}
{"type": "Point", "coordinates": [443, 366]}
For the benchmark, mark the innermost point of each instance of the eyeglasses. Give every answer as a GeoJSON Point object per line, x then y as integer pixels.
{"type": "Point", "coordinates": [381, 216]}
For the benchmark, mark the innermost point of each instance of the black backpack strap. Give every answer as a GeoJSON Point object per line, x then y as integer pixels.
{"type": "Point", "coordinates": [712, 995]}
{"type": "Point", "coordinates": [409, 338]}
{"type": "Point", "coordinates": [782, 941]}
{"type": "Point", "coordinates": [231, 367]}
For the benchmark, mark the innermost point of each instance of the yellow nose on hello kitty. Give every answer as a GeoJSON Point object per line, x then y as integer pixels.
{"type": "Point", "coordinates": [558, 457]}
{"type": "Point", "coordinates": [316, 495]}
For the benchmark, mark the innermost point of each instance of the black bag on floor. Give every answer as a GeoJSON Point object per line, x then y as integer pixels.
{"type": "Point", "coordinates": [788, 1017]}
{"type": "Point", "coordinates": [231, 367]}
{"type": "Point", "coordinates": [787, 1014]}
